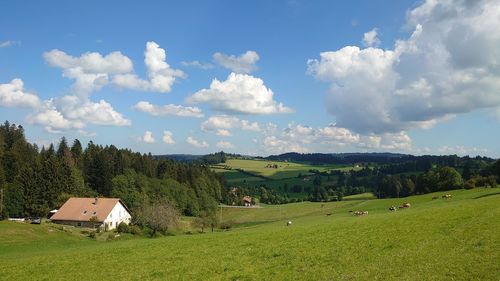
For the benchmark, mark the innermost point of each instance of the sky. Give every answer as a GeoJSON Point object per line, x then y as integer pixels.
{"type": "Point", "coordinates": [255, 77]}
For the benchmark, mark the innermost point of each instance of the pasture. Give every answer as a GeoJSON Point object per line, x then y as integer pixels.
{"type": "Point", "coordinates": [443, 239]}
{"type": "Point", "coordinates": [283, 169]}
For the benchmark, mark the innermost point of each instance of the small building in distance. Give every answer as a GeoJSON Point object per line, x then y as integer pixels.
{"type": "Point", "coordinates": [247, 200]}
{"type": "Point", "coordinates": [106, 213]}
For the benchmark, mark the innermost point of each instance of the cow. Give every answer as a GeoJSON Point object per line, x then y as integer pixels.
{"type": "Point", "coordinates": [405, 205]}
{"type": "Point", "coordinates": [447, 196]}
{"type": "Point", "coordinates": [289, 223]}
{"type": "Point", "coordinates": [392, 208]}
{"type": "Point", "coordinates": [360, 213]}
{"type": "Point", "coordinates": [435, 197]}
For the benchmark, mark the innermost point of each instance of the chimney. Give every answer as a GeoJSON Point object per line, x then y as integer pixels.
{"type": "Point", "coordinates": [95, 202]}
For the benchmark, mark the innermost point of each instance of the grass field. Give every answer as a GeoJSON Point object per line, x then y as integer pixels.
{"type": "Point", "coordinates": [284, 170]}
{"type": "Point", "coordinates": [456, 239]}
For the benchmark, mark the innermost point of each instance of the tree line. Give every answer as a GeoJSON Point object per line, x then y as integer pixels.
{"type": "Point", "coordinates": [34, 181]}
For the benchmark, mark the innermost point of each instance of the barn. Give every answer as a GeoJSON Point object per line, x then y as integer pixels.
{"type": "Point", "coordinates": [107, 213]}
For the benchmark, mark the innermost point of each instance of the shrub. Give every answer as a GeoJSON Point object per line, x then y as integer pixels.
{"type": "Point", "coordinates": [122, 228]}
{"type": "Point", "coordinates": [92, 234]}
{"type": "Point", "coordinates": [134, 229]}
{"type": "Point", "coordinates": [226, 225]}
{"type": "Point", "coordinates": [470, 184]}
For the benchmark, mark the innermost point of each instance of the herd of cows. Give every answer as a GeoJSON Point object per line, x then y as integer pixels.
{"type": "Point", "coordinates": [402, 206]}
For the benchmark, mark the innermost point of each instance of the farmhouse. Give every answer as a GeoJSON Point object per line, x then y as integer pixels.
{"type": "Point", "coordinates": [247, 200]}
{"type": "Point", "coordinates": [107, 213]}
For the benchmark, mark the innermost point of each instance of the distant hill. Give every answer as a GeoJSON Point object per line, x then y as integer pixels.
{"type": "Point", "coordinates": [341, 158]}
{"type": "Point", "coordinates": [180, 157]}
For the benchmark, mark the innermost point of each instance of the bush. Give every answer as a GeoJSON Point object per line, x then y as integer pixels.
{"type": "Point", "coordinates": [122, 228]}
{"type": "Point", "coordinates": [470, 184]}
{"type": "Point", "coordinates": [92, 235]}
{"type": "Point", "coordinates": [226, 225]}
{"type": "Point", "coordinates": [134, 229]}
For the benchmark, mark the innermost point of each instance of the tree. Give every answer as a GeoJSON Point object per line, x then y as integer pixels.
{"type": "Point", "coordinates": [158, 216]}
{"type": "Point", "coordinates": [449, 179]}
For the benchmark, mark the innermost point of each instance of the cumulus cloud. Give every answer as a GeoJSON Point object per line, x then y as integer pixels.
{"type": "Point", "coordinates": [168, 137]}
{"type": "Point", "coordinates": [91, 70]}
{"type": "Point", "coordinates": [224, 145]}
{"type": "Point", "coordinates": [13, 94]}
{"type": "Point", "coordinates": [168, 109]}
{"type": "Point", "coordinates": [221, 124]}
{"type": "Point", "coordinates": [196, 143]}
{"type": "Point", "coordinates": [161, 75]}
{"type": "Point", "coordinates": [223, 133]}
{"type": "Point", "coordinates": [148, 137]}
{"type": "Point", "coordinates": [449, 65]}
{"type": "Point", "coordinates": [239, 94]}
{"type": "Point", "coordinates": [72, 112]}
{"type": "Point", "coordinates": [303, 138]}
{"type": "Point", "coordinates": [197, 64]}
{"type": "Point", "coordinates": [274, 144]}
{"type": "Point", "coordinates": [244, 63]}
{"type": "Point", "coordinates": [370, 38]}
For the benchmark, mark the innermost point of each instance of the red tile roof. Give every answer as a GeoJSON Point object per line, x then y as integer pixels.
{"type": "Point", "coordinates": [82, 209]}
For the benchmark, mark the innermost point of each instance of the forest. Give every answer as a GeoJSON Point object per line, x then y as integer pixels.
{"type": "Point", "coordinates": [36, 180]}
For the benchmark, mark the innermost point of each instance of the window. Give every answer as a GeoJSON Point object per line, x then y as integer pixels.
{"type": "Point", "coordinates": [79, 224]}
{"type": "Point", "coordinates": [85, 212]}
{"type": "Point", "coordinates": [94, 213]}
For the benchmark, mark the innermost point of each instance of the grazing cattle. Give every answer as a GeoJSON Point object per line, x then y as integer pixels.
{"type": "Point", "coordinates": [392, 208]}
{"type": "Point", "coordinates": [405, 205]}
{"type": "Point", "coordinates": [289, 223]}
{"type": "Point", "coordinates": [434, 197]}
{"type": "Point", "coordinates": [360, 213]}
{"type": "Point", "coordinates": [447, 196]}
{"type": "Point", "coordinates": [329, 214]}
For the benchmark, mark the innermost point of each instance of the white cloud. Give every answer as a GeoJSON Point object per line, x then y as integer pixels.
{"type": "Point", "coordinates": [448, 66]}
{"type": "Point", "coordinates": [13, 94]}
{"type": "Point", "coordinates": [9, 43]}
{"type": "Point", "coordinates": [222, 123]}
{"type": "Point", "coordinates": [161, 75]}
{"type": "Point", "coordinates": [72, 112]}
{"type": "Point", "coordinates": [168, 137]}
{"type": "Point", "coordinates": [52, 120]}
{"type": "Point", "coordinates": [244, 63]}
{"type": "Point", "coordinates": [91, 70]}
{"type": "Point", "coordinates": [272, 144]}
{"type": "Point", "coordinates": [370, 38]}
{"type": "Point", "coordinates": [148, 137]}
{"type": "Point", "coordinates": [197, 64]}
{"type": "Point", "coordinates": [240, 93]}
{"type": "Point", "coordinates": [302, 138]}
{"type": "Point", "coordinates": [462, 150]}
{"type": "Point", "coordinates": [223, 133]}
{"type": "Point", "coordinates": [169, 109]}
{"type": "Point", "coordinates": [196, 143]}
{"type": "Point", "coordinates": [224, 145]}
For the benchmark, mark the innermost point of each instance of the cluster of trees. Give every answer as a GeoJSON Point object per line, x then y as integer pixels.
{"type": "Point", "coordinates": [436, 179]}
{"type": "Point", "coordinates": [34, 181]}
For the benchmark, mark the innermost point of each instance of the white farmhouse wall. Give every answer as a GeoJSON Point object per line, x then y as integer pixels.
{"type": "Point", "coordinates": [116, 216]}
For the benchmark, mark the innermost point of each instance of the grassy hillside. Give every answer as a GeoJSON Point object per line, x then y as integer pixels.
{"type": "Point", "coordinates": [283, 170]}
{"type": "Point", "coordinates": [440, 239]}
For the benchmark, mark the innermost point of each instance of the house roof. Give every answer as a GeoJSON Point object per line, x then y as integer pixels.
{"type": "Point", "coordinates": [247, 199]}
{"type": "Point", "coordinates": [82, 209]}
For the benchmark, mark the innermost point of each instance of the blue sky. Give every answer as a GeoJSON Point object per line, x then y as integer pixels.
{"type": "Point", "coordinates": [399, 76]}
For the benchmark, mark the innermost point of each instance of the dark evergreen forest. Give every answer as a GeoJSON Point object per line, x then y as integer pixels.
{"type": "Point", "coordinates": [35, 180]}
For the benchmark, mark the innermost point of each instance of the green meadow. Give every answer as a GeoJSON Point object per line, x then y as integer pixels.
{"type": "Point", "coordinates": [441, 239]}
{"type": "Point", "coordinates": [284, 169]}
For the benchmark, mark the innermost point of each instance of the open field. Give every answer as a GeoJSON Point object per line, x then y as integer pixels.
{"type": "Point", "coordinates": [283, 170]}
{"type": "Point", "coordinates": [455, 239]}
